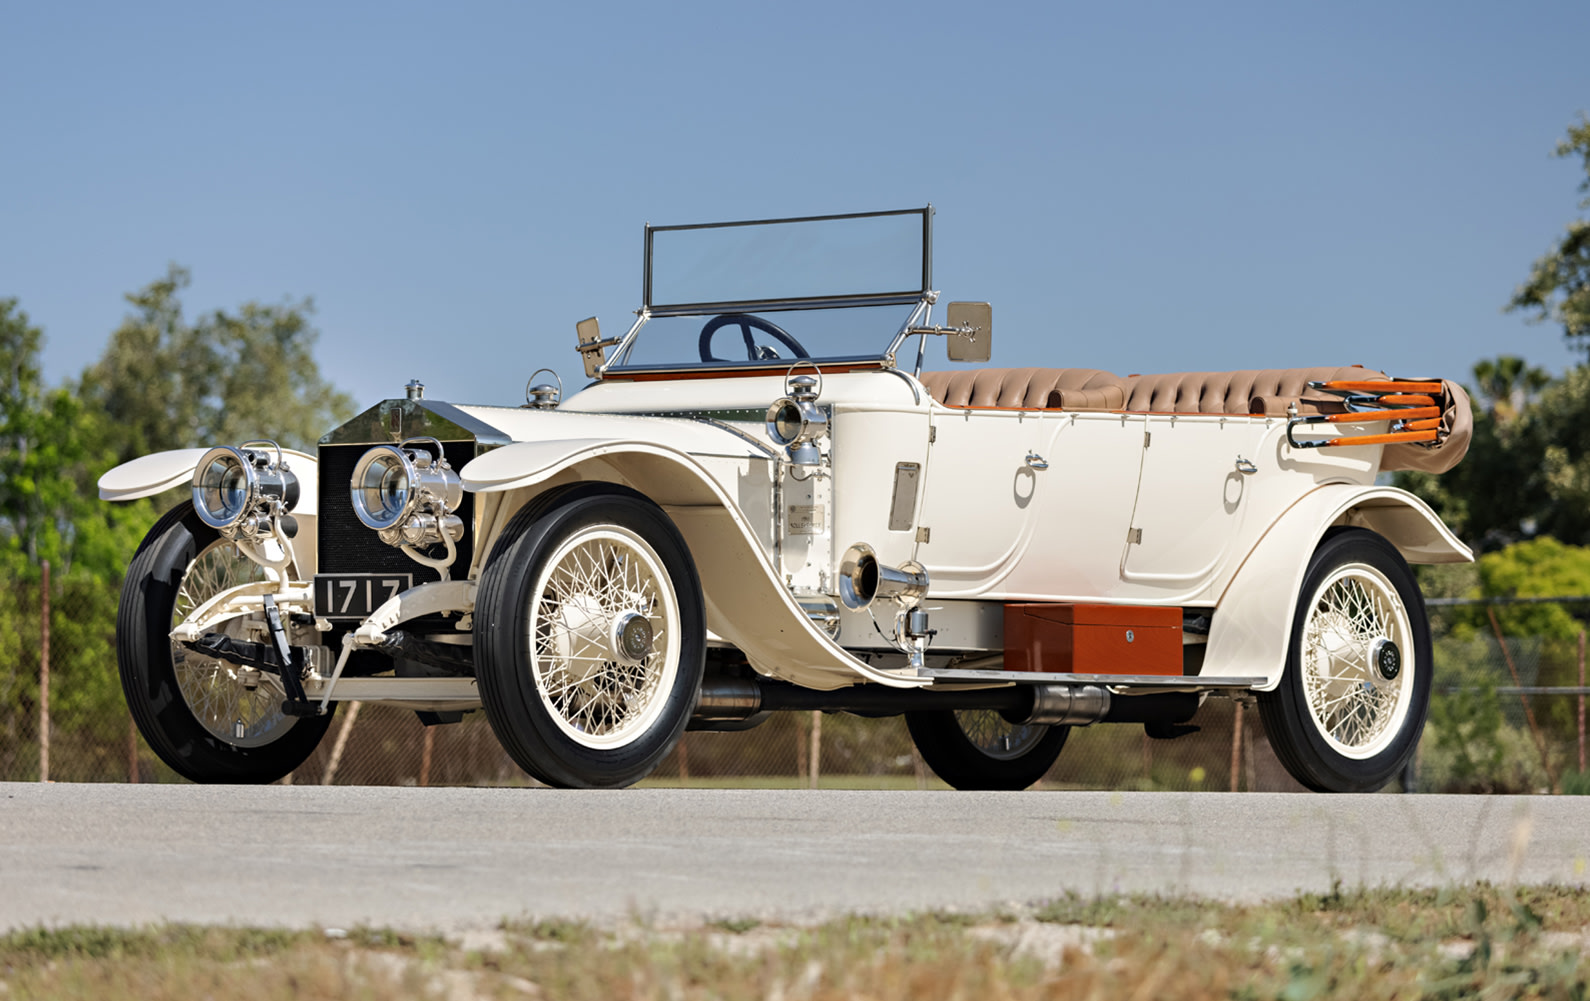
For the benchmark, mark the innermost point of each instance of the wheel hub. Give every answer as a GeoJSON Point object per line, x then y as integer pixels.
{"type": "Point", "coordinates": [632, 636]}
{"type": "Point", "coordinates": [1385, 659]}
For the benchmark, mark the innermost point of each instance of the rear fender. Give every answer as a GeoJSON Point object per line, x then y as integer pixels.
{"type": "Point", "coordinates": [746, 603]}
{"type": "Point", "coordinates": [1252, 624]}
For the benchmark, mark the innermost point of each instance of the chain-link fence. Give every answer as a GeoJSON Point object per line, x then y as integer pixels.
{"type": "Point", "coordinates": [1507, 715]}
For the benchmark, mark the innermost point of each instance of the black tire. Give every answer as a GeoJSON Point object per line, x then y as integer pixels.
{"type": "Point", "coordinates": [941, 737]}
{"type": "Point", "coordinates": [154, 672]}
{"type": "Point", "coordinates": [1360, 613]}
{"type": "Point", "coordinates": [555, 685]}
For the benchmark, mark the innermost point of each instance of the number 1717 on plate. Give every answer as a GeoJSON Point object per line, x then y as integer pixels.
{"type": "Point", "coordinates": [356, 595]}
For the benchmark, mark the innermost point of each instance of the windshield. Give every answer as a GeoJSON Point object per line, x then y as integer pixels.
{"type": "Point", "coordinates": [817, 261]}
{"type": "Point", "coordinates": [771, 291]}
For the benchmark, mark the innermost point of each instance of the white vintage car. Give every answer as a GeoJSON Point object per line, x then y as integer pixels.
{"type": "Point", "coordinates": [762, 503]}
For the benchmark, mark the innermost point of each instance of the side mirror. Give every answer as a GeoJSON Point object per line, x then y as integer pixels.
{"type": "Point", "coordinates": [588, 334]}
{"type": "Point", "coordinates": [978, 317]}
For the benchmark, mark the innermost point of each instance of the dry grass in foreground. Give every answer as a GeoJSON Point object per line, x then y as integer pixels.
{"type": "Point", "coordinates": [1480, 941]}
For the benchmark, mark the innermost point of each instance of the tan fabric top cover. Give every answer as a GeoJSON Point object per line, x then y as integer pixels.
{"type": "Point", "coordinates": [1258, 391]}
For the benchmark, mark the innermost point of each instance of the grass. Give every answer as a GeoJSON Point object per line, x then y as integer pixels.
{"type": "Point", "coordinates": [1478, 941]}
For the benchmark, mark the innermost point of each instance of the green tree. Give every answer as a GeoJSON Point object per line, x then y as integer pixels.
{"type": "Point", "coordinates": [51, 450]}
{"type": "Point", "coordinates": [165, 382]}
{"type": "Point", "coordinates": [1558, 289]}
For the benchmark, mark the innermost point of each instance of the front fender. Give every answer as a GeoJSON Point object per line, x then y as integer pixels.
{"type": "Point", "coordinates": [158, 472]}
{"type": "Point", "coordinates": [746, 602]}
{"type": "Point", "coordinates": [1253, 619]}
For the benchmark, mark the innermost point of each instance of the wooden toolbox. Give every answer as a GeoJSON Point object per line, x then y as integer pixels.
{"type": "Point", "coordinates": [1093, 639]}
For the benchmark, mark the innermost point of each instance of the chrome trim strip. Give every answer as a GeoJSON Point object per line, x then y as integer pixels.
{"type": "Point", "coordinates": [902, 298]}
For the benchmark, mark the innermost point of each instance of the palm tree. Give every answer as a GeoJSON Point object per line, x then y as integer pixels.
{"type": "Point", "coordinates": [1507, 385]}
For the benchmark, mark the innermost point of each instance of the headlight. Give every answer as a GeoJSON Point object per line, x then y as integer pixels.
{"type": "Point", "coordinates": [408, 495]}
{"type": "Point", "coordinates": [795, 422]}
{"type": "Point", "coordinates": [237, 490]}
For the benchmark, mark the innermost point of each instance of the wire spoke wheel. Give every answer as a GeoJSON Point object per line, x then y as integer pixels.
{"type": "Point", "coordinates": [997, 737]}
{"type": "Point", "coordinates": [604, 635]}
{"type": "Point", "coordinates": [1356, 620]}
{"type": "Point", "coordinates": [209, 720]}
{"type": "Point", "coordinates": [980, 749]}
{"type": "Point", "coordinates": [1351, 703]}
{"type": "Point", "coordinates": [590, 636]}
{"type": "Point", "coordinates": [237, 706]}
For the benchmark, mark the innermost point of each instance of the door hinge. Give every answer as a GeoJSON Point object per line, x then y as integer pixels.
{"type": "Point", "coordinates": [933, 434]}
{"type": "Point", "coordinates": [924, 534]}
{"type": "Point", "coordinates": [1148, 436]}
{"type": "Point", "coordinates": [1134, 536]}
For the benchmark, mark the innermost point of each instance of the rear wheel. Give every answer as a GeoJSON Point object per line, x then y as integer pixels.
{"type": "Point", "coordinates": [205, 718]}
{"type": "Point", "coordinates": [590, 639]}
{"type": "Point", "coordinates": [980, 749]}
{"type": "Point", "coordinates": [1349, 710]}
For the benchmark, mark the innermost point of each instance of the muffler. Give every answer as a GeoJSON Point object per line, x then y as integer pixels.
{"type": "Point", "coordinates": [1068, 705]}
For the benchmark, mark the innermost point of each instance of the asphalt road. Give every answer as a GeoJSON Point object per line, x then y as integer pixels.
{"type": "Point", "coordinates": [455, 859]}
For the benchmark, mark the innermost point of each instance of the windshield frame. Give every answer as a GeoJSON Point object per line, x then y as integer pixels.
{"type": "Point", "coordinates": [920, 299]}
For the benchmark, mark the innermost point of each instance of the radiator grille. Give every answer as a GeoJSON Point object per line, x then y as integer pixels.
{"type": "Point", "coordinates": [347, 546]}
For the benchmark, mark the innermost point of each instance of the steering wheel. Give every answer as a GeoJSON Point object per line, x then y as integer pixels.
{"type": "Point", "coordinates": [748, 322]}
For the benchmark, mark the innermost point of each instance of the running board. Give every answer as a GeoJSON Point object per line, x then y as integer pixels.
{"type": "Point", "coordinates": [1177, 681]}
{"type": "Point", "coordinates": [462, 691]}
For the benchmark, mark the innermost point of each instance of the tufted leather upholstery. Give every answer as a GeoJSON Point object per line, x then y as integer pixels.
{"type": "Point", "coordinates": [1258, 391]}
{"type": "Point", "coordinates": [1265, 391]}
{"type": "Point", "coordinates": [1028, 388]}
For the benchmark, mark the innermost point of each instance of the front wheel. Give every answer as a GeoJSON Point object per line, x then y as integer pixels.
{"type": "Point", "coordinates": [1350, 708]}
{"type": "Point", "coordinates": [208, 719]}
{"type": "Point", "coordinates": [590, 638]}
{"type": "Point", "coordinates": [979, 749]}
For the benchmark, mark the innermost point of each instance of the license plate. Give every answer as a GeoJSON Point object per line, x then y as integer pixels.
{"type": "Point", "coordinates": [356, 595]}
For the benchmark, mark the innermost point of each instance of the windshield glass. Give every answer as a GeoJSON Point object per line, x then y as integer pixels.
{"type": "Point", "coordinates": [815, 261]}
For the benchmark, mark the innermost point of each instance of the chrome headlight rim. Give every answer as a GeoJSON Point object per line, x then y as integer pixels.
{"type": "Point", "coordinates": [239, 460]}
{"type": "Point", "coordinates": [267, 488]}
{"type": "Point", "coordinates": [407, 495]}
{"type": "Point", "coordinates": [809, 420]}
{"type": "Point", "coordinates": [397, 458]}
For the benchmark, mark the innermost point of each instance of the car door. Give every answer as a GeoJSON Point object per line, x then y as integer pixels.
{"type": "Point", "coordinates": [1027, 505]}
{"type": "Point", "coordinates": [1191, 500]}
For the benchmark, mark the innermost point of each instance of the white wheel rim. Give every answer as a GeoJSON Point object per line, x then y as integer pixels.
{"type": "Point", "coordinates": [595, 581]}
{"type": "Point", "coordinates": [1356, 710]}
{"type": "Point", "coordinates": [215, 691]}
{"type": "Point", "coordinates": [996, 736]}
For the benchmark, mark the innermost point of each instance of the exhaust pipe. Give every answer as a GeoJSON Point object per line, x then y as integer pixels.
{"type": "Point", "coordinates": [1068, 705]}
{"type": "Point", "coordinates": [739, 703]}
{"type": "Point", "coordinates": [863, 580]}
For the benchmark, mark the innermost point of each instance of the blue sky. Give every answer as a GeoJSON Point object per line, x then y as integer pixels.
{"type": "Point", "coordinates": [1136, 187]}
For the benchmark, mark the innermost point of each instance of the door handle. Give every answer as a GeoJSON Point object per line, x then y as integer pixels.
{"type": "Point", "coordinates": [1036, 461]}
